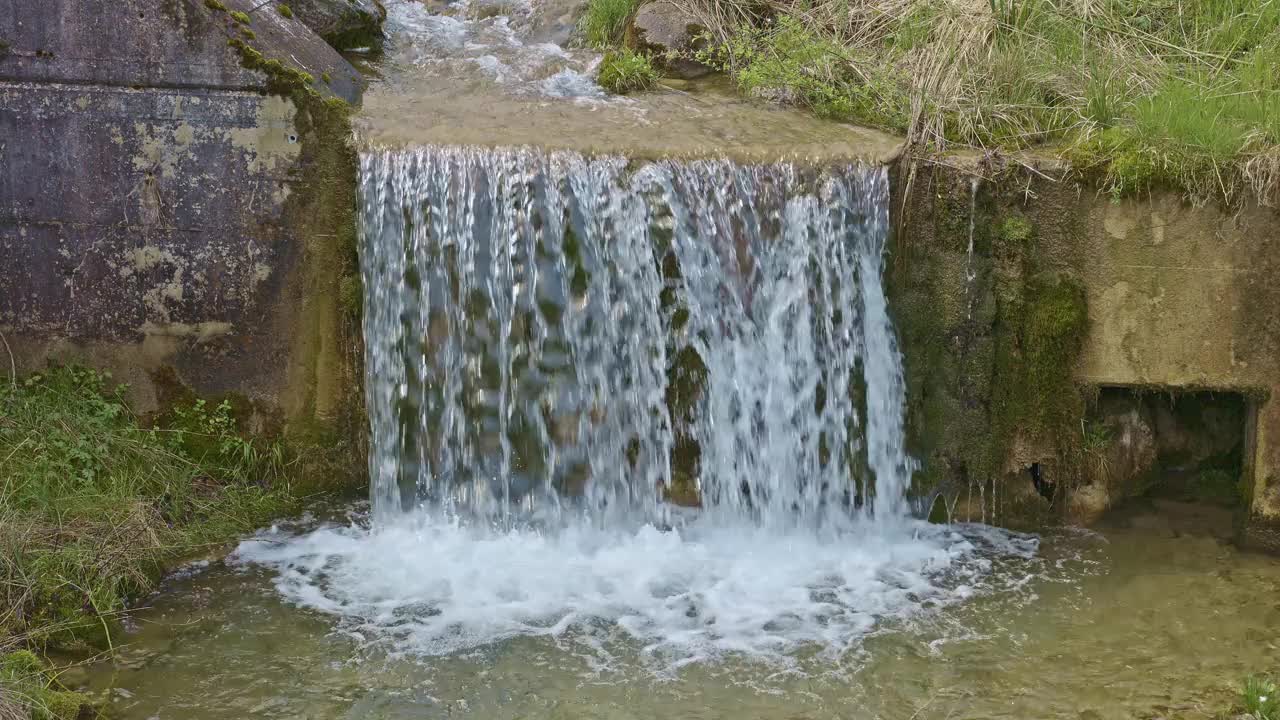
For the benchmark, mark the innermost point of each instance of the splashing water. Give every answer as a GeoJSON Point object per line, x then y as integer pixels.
{"type": "Point", "coordinates": [555, 344]}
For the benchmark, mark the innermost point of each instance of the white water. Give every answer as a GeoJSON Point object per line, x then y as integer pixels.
{"type": "Point", "coordinates": [527, 321]}
{"type": "Point", "coordinates": [510, 44]}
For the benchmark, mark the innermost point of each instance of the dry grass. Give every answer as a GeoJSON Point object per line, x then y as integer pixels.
{"type": "Point", "coordinates": [1182, 93]}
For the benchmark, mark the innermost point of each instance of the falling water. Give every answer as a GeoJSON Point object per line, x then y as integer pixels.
{"type": "Point", "coordinates": [970, 274]}
{"type": "Point", "coordinates": [523, 311]}
{"type": "Point", "coordinates": [555, 344]}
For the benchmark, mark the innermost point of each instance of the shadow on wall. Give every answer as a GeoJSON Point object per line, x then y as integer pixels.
{"type": "Point", "coordinates": [1183, 446]}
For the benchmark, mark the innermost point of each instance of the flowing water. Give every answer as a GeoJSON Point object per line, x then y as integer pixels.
{"type": "Point", "coordinates": [637, 450]}
{"type": "Point", "coordinates": [560, 346]}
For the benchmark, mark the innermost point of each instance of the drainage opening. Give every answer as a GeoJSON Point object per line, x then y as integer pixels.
{"type": "Point", "coordinates": [1173, 453]}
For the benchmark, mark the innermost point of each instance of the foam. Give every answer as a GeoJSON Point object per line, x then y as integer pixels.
{"type": "Point", "coordinates": [432, 586]}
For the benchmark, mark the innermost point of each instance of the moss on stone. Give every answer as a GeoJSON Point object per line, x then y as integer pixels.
{"type": "Point", "coordinates": [323, 403]}
{"type": "Point", "coordinates": [351, 295]}
{"type": "Point", "coordinates": [285, 10]}
{"type": "Point", "coordinates": [31, 683]}
{"type": "Point", "coordinates": [215, 5]}
{"type": "Point", "coordinates": [990, 337]}
{"type": "Point", "coordinates": [240, 17]}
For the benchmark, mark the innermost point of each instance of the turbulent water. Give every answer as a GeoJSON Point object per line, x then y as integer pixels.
{"type": "Point", "coordinates": [556, 345]}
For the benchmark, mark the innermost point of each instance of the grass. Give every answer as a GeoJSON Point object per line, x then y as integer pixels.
{"type": "Point", "coordinates": [625, 71]}
{"type": "Point", "coordinates": [95, 504]}
{"type": "Point", "coordinates": [1145, 93]}
{"type": "Point", "coordinates": [1261, 698]}
{"type": "Point", "coordinates": [604, 21]}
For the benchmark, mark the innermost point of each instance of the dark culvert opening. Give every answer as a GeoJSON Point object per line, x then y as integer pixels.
{"type": "Point", "coordinates": [1171, 459]}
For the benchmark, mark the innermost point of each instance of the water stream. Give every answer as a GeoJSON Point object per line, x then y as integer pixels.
{"type": "Point", "coordinates": [638, 450]}
{"type": "Point", "coordinates": [528, 318]}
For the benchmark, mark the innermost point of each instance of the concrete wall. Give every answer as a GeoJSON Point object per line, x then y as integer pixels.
{"type": "Point", "coordinates": [150, 189]}
{"type": "Point", "coordinates": [1178, 297]}
{"type": "Point", "coordinates": [1184, 297]}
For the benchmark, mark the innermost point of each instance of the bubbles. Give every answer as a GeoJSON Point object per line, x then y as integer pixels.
{"type": "Point", "coordinates": [702, 593]}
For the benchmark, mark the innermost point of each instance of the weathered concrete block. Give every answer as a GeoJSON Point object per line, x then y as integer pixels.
{"type": "Point", "coordinates": [167, 213]}
{"type": "Point", "coordinates": [1179, 298]}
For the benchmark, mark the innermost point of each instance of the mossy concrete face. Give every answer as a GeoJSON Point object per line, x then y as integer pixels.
{"type": "Point", "coordinates": [174, 216]}
{"type": "Point", "coordinates": [1066, 291]}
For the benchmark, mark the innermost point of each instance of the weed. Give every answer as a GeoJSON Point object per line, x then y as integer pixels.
{"type": "Point", "coordinates": [605, 20]}
{"type": "Point", "coordinates": [786, 62]}
{"type": "Point", "coordinates": [1261, 698]}
{"type": "Point", "coordinates": [93, 505]}
{"type": "Point", "coordinates": [1177, 95]}
{"type": "Point", "coordinates": [625, 71]}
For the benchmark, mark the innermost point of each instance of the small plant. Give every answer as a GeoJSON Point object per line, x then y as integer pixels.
{"type": "Point", "coordinates": [1261, 698]}
{"type": "Point", "coordinates": [605, 20]}
{"type": "Point", "coordinates": [215, 5]}
{"type": "Point", "coordinates": [285, 10]}
{"type": "Point", "coordinates": [625, 71]}
{"type": "Point", "coordinates": [241, 18]}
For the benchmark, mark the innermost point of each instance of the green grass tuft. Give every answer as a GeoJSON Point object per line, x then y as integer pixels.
{"type": "Point", "coordinates": [1261, 698]}
{"type": "Point", "coordinates": [625, 71]}
{"type": "Point", "coordinates": [605, 21]}
{"type": "Point", "coordinates": [94, 504]}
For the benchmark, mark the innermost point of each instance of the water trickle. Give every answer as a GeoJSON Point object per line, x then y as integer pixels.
{"type": "Point", "coordinates": [523, 310]}
{"type": "Point", "coordinates": [970, 274]}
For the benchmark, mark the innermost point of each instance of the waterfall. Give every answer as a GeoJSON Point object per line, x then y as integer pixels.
{"type": "Point", "coordinates": [557, 343]}
{"type": "Point", "coordinates": [526, 313]}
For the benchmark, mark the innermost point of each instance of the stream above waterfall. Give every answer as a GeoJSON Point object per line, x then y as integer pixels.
{"type": "Point", "coordinates": [488, 73]}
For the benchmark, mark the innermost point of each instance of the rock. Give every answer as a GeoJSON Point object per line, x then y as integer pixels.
{"type": "Point", "coordinates": [671, 36]}
{"type": "Point", "coordinates": [1086, 504]}
{"type": "Point", "coordinates": [344, 24]}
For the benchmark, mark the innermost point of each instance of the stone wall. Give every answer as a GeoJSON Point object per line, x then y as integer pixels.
{"type": "Point", "coordinates": [172, 216]}
{"type": "Point", "coordinates": [1177, 298]}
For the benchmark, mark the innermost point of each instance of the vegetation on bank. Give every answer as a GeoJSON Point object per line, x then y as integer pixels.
{"type": "Point", "coordinates": [624, 71]}
{"type": "Point", "coordinates": [95, 503]}
{"type": "Point", "coordinates": [1260, 700]}
{"type": "Point", "coordinates": [1143, 93]}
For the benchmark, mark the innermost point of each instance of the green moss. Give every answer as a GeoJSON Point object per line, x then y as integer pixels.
{"type": "Point", "coordinates": [625, 71]}
{"type": "Point", "coordinates": [242, 18]}
{"type": "Point", "coordinates": [1015, 229]}
{"type": "Point", "coordinates": [990, 339]}
{"type": "Point", "coordinates": [248, 34]}
{"type": "Point", "coordinates": [351, 294]}
{"type": "Point", "coordinates": [27, 679]}
{"type": "Point", "coordinates": [215, 5]}
{"type": "Point", "coordinates": [285, 10]}
{"type": "Point", "coordinates": [326, 77]}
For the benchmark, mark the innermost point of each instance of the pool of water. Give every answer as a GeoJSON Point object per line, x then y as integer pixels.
{"type": "Point", "coordinates": [1138, 620]}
